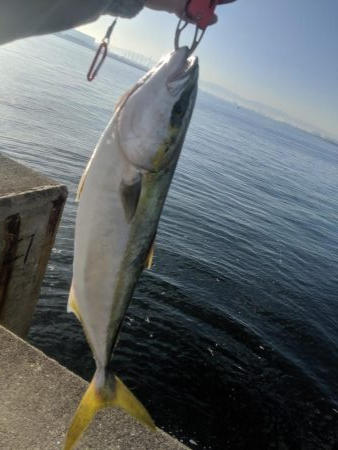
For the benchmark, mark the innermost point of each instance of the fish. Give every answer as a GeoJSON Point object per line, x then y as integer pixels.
{"type": "Point", "coordinates": [121, 195]}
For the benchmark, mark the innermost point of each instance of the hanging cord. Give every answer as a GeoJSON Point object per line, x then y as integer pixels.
{"type": "Point", "coordinates": [100, 54]}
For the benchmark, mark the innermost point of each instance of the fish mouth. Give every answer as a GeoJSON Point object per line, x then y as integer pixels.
{"type": "Point", "coordinates": [186, 73]}
{"type": "Point", "coordinates": [188, 65]}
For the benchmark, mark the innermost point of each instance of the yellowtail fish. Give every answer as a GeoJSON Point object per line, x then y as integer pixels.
{"type": "Point", "coordinates": [121, 196]}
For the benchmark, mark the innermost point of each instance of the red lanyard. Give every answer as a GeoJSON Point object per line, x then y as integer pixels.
{"type": "Point", "coordinates": [100, 54]}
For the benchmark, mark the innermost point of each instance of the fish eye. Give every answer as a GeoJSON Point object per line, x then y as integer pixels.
{"type": "Point", "coordinates": [178, 111]}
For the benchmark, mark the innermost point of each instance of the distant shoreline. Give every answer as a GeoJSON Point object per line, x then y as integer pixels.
{"type": "Point", "coordinates": [90, 43]}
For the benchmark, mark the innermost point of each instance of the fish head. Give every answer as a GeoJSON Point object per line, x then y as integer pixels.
{"type": "Point", "coordinates": [153, 118]}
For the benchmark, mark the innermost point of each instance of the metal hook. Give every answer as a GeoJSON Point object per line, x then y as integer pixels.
{"type": "Point", "coordinates": [197, 36]}
{"type": "Point", "coordinates": [109, 31]}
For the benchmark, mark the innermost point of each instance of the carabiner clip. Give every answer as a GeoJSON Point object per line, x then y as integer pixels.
{"type": "Point", "coordinates": [101, 52]}
{"type": "Point", "coordinates": [95, 66]}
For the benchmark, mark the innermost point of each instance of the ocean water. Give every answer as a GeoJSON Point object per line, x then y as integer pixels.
{"type": "Point", "coordinates": [231, 340]}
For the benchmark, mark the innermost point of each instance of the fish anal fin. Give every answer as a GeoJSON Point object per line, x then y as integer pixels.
{"type": "Point", "coordinates": [130, 195]}
{"type": "Point", "coordinates": [113, 393]}
{"type": "Point", "coordinates": [72, 304]}
{"type": "Point", "coordinates": [150, 255]}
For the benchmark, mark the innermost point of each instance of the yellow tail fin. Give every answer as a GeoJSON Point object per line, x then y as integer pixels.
{"type": "Point", "coordinates": [112, 394]}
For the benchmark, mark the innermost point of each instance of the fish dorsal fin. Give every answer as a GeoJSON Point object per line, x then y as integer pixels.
{"type": "Point", "coordinates": [150, 255]}
{"type": "Point", "coordinates": [130, 195]}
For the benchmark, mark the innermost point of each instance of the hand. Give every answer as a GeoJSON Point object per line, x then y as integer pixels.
{"type": "Point", "coordinates": [172, 6]}
{"type": "Point", "coordinates": [177, 7]}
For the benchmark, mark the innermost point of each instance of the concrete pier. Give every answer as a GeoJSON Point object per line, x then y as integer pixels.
{"type": "Point", "coordinates": [30, 210]}
{"type": "Point", "coordinates": [38, 398]}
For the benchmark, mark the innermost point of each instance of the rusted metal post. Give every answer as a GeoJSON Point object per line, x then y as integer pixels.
{"type": "Point", "coordinates": [30, 211]}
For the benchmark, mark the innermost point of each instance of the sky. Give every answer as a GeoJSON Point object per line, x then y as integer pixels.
{"type": "Point", "coordinates": [282, 53]}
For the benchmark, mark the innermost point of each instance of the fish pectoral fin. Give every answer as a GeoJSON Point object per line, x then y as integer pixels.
{"type": "Point", "coordinates": [72, 304]}
{"type": "Point", "coordinates": [113, 393]}
{"type": "Point", "coordinates": [150, 255]}
{"type": "Point", "coordinates": [130, 195]}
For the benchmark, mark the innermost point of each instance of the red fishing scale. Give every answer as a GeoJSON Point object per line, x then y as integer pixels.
{"type": "Point", "coordinates": [197, 12]}
{"type": "Point", "coordinates": [201, 14]}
